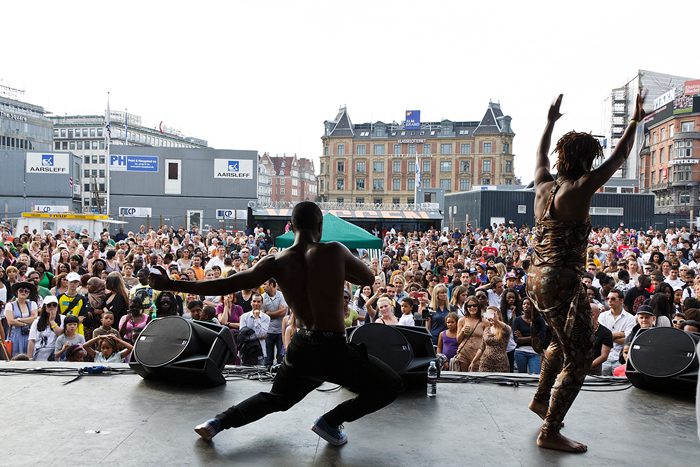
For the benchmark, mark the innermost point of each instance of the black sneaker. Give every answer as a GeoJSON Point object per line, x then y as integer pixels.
{"type": "Point", "coordinates": [333, 435]}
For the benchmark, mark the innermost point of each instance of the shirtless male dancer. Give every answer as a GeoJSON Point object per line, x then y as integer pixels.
{"type": "Point", "coordinates": [312, 276]}
{"type": "Point", "coordinates": [554, 277]}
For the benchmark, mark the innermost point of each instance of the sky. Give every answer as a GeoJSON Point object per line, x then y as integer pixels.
{"type": "Point", "coordinates": [265, 75]}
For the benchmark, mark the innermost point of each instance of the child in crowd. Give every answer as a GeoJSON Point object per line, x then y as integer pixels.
{"type": "Point", "coordinates": [195, 309]}
{"type": "Point", "coordinates": [406, 318]}
{"type": "Point", "coordinates": [208, 314]}
{"type": "Point", "coordinates": [69, 338]}
{"type": "Point", "coordinates": [106, 328]}
{"type": "Point", "coordinates": [447, 340]}
{"type": "Point", "coordinates": [109, 348]}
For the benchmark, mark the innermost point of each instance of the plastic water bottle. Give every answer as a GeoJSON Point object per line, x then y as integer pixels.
{"type": "Point", "coordinates": [432, 379]}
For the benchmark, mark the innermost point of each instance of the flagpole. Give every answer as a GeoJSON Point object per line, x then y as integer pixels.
{"type": "Point", "coordinates": [108, 143]}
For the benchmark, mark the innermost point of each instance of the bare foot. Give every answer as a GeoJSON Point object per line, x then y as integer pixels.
{"type": "Point", "coordinates": [560, 443]}
{"type": "Point", "coordinates": [540, 409]}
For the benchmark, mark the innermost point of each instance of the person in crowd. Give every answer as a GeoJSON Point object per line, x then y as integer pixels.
{"type": "Point", "coordinates": [259, 321]}
{"type": "Point", "coordinates": [386, 312]}
{"type": "Point", "coordinates": [108, 345]}
{"type": "Point", "coordinates": [132, 323]}
{"type": "Point", "coordinates": [351, 316]}
{"type": "Point", "coordinates": [167, 304]}
{"type": "Point", "coordinates": [447, 341]}
{"type": "Point", "coordinates": [662, 309]}
{"type": "Point", "coordinates": [691, 326]}
{"type": "Point", "coordinates": [470, 331]}
{"type": "Point", "coordinates": [620, 323]}
{"type": "Point", "coordinates": [491, 357]}
{"type": "Point", "coordinates": [561, 234]}
{"type": "Point", "coordinates": [439, 308]}
{"type": "Point", "coordinates": [20, 313]}
{"type": "Point", "coordinates": [117, 297]}
{"type": "Point", "coordinates": [229, 313]}
{"type": "Point", "coordinates": [96, 296]}
{"type": "Point", "coordinates": [45, 330]}
{"type": "Point", "coordinates": [527, 358]}
{"type": "Point", "coordinates": [66, 342]}
{"type": "Point", "coordinates": [274, 306]}
{"type": "Point", "coordinates": [602, 342]}
{"type": "Point", "coordinates": [106, 322]}
{"type": "Point", "coordinates": [73, 303]}
{"type": "Point", "coordinates": [459, 298]}
{"type": "Point", "coordinates": [194, 307]}
{"type": "Point", "coordinates": [407, 318]}
{"type": "Point", "coordinates": [646, 319]}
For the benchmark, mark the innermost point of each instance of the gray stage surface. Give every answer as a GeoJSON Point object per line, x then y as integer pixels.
{"type": "Point", "coordinates": [124, 420]}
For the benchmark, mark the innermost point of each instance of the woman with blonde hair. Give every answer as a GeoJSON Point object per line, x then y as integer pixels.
{"type": "Point", "coordinates": [459, 298]}
{"type": "Point", "coordinates": [439, 308]}
{"type": "Point", "coordinates": [492, 356]}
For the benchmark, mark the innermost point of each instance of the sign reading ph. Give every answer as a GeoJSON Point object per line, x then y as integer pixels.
{"type": "Point", "coordinates": [119, 163]}
{"type": "Point", "coordinates": [233, 168]}
{"type": "Point", "coordinates": [412, 120]}
{"type": "Point", "coordinates": [42, 163]}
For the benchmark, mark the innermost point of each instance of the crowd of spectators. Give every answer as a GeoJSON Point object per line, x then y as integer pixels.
{"type": "Point", "coordinates": [66, 296]}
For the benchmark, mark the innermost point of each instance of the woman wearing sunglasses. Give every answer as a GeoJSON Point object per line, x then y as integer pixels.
{"type": "Point", "coordinates": [20, 314]}
{"type": "Point", "coordinates": [45, 330]}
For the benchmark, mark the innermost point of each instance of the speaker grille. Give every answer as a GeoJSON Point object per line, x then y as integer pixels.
{"type": "Point", "coordinates": [162, 341]}
{"type": "Point", "coordinates": [662, 352]}
{"type": "Point", "coordinates": [385, 343]}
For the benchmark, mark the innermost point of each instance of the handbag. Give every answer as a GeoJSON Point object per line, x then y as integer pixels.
{"type": "Point", "coordinates": [454, 363]}
{"type": "Point", "coordinates": [7, 349]}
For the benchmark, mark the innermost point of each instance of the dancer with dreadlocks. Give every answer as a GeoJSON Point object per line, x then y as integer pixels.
{"type": "Point", "coordinates": [554, 277]}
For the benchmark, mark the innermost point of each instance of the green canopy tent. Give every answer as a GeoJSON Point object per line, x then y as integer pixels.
{"type": "Point", "coordinates": [336, 229]}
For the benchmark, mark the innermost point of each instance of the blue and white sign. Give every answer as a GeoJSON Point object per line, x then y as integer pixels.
{"type": "Point", "coordinates": [119, 163]}
{"type": "Point", "coordinates": [412, 120]}
{"type": "Point", "coordinates": [48, 163]}
{"type": "Point", "coordinates": [224, 214]}
{"type": "Point", "coordinates": [236, 169]}
{"type": "Point", "coordinates": [135, 212]}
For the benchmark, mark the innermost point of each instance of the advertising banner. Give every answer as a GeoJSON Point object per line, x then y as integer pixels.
{"type": "Point", "coordinates": [412, 120]}
{"type": "Point", "coordinates": [50, 164]}
{"type": "Point", "coordinates": [119, 163]}
{"type": "Point", "coordinates": [235, 169]}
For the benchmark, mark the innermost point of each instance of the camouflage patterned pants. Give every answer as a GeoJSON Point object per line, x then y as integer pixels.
{"type": "Point", "coordinates": [569, 355]}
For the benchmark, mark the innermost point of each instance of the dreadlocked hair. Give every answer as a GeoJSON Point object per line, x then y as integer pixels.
{"type": "Point", "coordinates": [576, 153]}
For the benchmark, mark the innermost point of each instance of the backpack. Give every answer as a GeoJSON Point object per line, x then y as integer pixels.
{"type": "Point", "coordinates": [248, 345]}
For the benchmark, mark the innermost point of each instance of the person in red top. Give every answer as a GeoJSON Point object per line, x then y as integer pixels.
{"type": "Point", "coordinates": [625, 245]}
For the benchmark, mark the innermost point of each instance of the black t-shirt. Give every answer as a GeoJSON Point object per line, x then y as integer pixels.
{"type": "Point", "coordinates": [245, 304]}
{"type": "Point", "coordinates": [602, 336]}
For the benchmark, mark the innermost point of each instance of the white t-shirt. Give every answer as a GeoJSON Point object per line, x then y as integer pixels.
{"type": "Point", "coordinates": [44, 341]}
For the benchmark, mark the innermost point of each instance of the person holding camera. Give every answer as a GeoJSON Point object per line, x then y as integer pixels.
{"type": "Point", "coordinates": [20, 313]}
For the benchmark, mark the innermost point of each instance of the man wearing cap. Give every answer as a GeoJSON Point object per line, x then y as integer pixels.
{"type": "Point", "coordinates": [71, 303]}
{"type": "Point", "coordinates": [645, 319]}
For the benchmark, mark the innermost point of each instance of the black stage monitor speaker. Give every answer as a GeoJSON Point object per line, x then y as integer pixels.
{"type": "Point", "coordinates": [664, 359]}
{"type": "Point", "coordinates": [187, 352]}
{"type": "Point", "coordinates": [408, 350]}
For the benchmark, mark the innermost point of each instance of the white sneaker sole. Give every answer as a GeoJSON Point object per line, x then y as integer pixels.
{"type": "Point", "coordinates": [328, 437]}
{"type": "Point", "coordinates": [203, 432]}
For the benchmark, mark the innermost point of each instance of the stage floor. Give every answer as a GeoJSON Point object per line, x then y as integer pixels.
{"type": "Point", "coordinates": [124, 420]}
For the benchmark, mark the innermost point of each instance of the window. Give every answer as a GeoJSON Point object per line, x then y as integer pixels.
{"type": "Point", "coordinates": [426, 149]}
{"type": "Point", "coordinates": [102, 144]}
{"type": "Point", "coordinates": [102, 159]}
{"type": "Point", "coordinates": [325, 150]}
{"type": "Point", "coordinates": [341, 149]}
{"type": "Point", "coordinates": [361, 167]}
{"type": "Point", "coordinates": [173, 171]}
{"type": "Point", "coordinates": [485, 181]}
{"type": "Point", "coordinates": [464, 166]}
{"type": "Point", "coordinates": [395, 200]}
{"type": "Point", "coordinates": [99, 132]}
{"type": "Point", "coordinates": [361, 149]}
{"type": "Point", "coordinates": [426, 166]}
{"type": "Point", "coordinates": [397, 149]}
{"type": "Point", "coordinates": [379, 149]}
{"type": "Point", "coordinates": [359, 200]}
{"type": "Point", "coordinates": [94, 145]}
{"type": "Point", "coordinates": [378, 166]}
{"type": "Point", "coordinates": [94, 159]}
{"type": "Point", "coordinates": [425, 182]}
{"type": "Point", "coordinates": [487, 148]}
{"type": "Point", "coordinates": [86, 187]}
{"type": "Point", "coordinates": [378, 184]}
{"type": "Point", "coordinates": [446, 184]}
{"type": "Point", "coordinates": [410, 200]}
{"type": "Point", "coordinates": [86, 159]}
{"type": "Point", "coordinates": [102, 187]}
{"type": "Point", "coordinates": [377, 201]}
{"type": "Point", "coordinates": [509, 167]}
{"type": "Point", "coordinates": [378, 131]}
{"type": "Point", "coordinates": [102, 173]}
{"type": "Point", "coordinates": [340, 200]}
{"type": "Point", "coordinates": [661, 155]}
{"type": "Point", "coordinates": [340, 184]}
{"type": "Point", "coordinates": [282, 190]}
{"type": "Point", "coordinates": [86, 173]}
{"type": "Point", "coordinates": [360, 184]}
{"type": "Point", "coordinates": [653, 157]}
{"type": "Point", "coordinates": [340, 166]}
{"type": "Point", "coordinates": [663, 134]}
{"type": "Point", "coordinates": [411, 183]}
{"type": "Point", "coordinates": [396, 184]}
{"type": "Point", "coordinates": [687, 126]}
{"type": "Point", "coordinates": [71, 145]}
{"type": "Point", "coordinates": [412, 149]}
{"type": "Point", "coordinates": [445, 166]}
{"type": "Point", "coordinates": [411, 167]}
{"type": "Point", "coordinates": [446, 148]}
{"type": "Point", "coordinates": [92, 132]}
{"type": "Point", "coordinates": [465, 148]}
{"type": "Point", "coordinates": [64, 145]}
{"type": "Point", "coordinates": [396, 166]}
{"type": "Point", "coordinates": [446, 130]}
{"type": "Point", "coordinates": [486, 165]}
{"type": "Point", "coordinates": [463, 184]}
{"type": "Point", "coordinates": [684, 197]}
{"type": "Point", "coordinates": [506, 148]}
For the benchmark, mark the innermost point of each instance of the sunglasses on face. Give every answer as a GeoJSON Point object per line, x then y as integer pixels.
{"type": "Point", "coordinates": [51, 305]}
{"type": "Point", "coordinates": [678, 321]}
{"type": "Point", "coordinates": [23, 290]}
